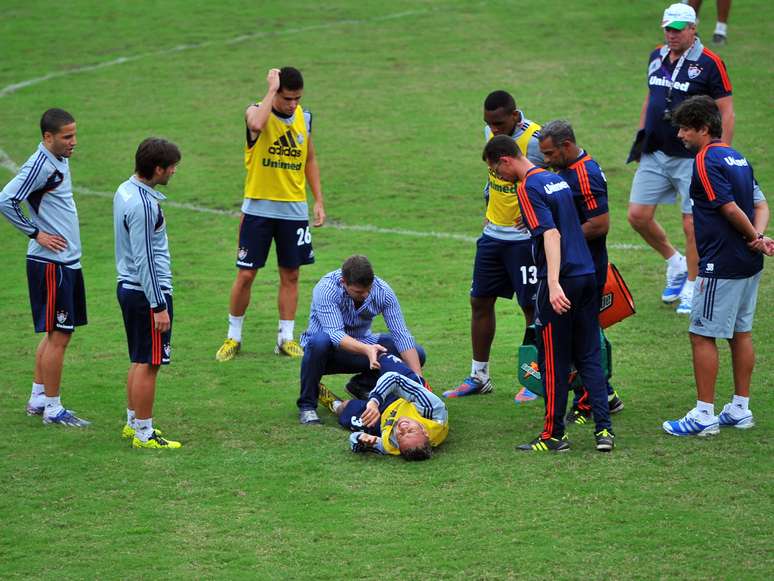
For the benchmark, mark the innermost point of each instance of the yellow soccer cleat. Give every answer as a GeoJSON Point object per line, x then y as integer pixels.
{"type": "Point", "coordinates": [127, 433]}
{"type": "Point", "coordinates": [327, 398]}
{"type": "Point", "coordinates": [289, 348]}
{"type": "Point", "coordinates": [228, 350]}
{"type": "Point", "coordinates": [155, 442]}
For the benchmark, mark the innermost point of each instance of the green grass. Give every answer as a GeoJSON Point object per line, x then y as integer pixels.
{"type": "Point", "coordinates": [398, 130]}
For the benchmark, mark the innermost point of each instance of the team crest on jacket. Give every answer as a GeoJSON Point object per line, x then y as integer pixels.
{"type": "Point", "coordinates": [61, 317]}
{"type": "Point", "coordinates": [694, 71]}
{"type": "Point", "coordinates": [242, 254]}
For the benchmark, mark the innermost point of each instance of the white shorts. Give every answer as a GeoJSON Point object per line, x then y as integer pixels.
{"type": "Point", "coordinates": [660, 178]}
{"type": "Point", "coordinates": [724, 306]}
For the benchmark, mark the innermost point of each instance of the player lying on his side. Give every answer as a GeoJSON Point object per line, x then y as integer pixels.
{"type": "Point", "coordinates": [401, 417]}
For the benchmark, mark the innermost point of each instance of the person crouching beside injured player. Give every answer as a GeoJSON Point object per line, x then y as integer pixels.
{"type": "Point", "coordinates": [401, 416]}
{"type": "Point", "coordinates": [567, 304]}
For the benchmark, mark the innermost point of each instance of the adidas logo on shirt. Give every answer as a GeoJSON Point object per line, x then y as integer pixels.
{"type": "Point", "coordinates": [285, 145]}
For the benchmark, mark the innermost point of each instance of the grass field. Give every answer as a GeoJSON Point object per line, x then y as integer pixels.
{"type": "Point", "coordinates": [397, 91]}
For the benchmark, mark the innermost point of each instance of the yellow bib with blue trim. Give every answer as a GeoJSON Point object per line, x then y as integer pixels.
{"type": "Point", "coordinates": [276, 162]}
{"type": "Point", "coordinates": [401, 408]}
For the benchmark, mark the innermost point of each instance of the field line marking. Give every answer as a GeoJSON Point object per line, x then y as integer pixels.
{"type": "Point", "coordinates": [14, 87]}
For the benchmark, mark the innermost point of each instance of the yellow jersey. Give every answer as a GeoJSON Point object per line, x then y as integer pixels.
{"type": "Point", "coordinates": [276, 161]}
{"type": "Point", "coordinates": [502, 209]}
{"type": "Point", "coordinates": [437, 431]}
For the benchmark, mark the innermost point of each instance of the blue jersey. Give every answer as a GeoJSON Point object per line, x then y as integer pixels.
{"type": "Point", "coordinates": [546, 202]}
{"type": "Point", "coordinates": [722, 175]}
{"type": "Point", "coordinates": [589, 187]}
{"type": "Point", "coordinates": [701, 72]}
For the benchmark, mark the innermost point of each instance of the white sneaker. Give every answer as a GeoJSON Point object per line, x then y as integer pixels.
{"type": "Point", "coordinates": [686, 301]}
{"type": "Point", "coordinates": [733, 415]}
{"type": "Point", "coordinates": [694, 423]}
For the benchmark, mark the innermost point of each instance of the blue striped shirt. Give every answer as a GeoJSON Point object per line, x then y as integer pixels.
{"type": "Point", "coordinates": [142, 249]}
{"type": "Point", "coordinates": [333, 312]}
{"type": "Point", "coordinates": [43, 182]}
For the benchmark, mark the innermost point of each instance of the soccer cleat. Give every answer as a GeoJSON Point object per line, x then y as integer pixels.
{"type": "Point", "coordinates": [127, 433]}
{"type": "Point", "coordinates": [694, 423]}
{"type": "Point", "coordinates": [524, 396]}
{"type": "Point", "coordinates": [577, 417]}
{"type": "Point", "coordinates": [290, 348]}
{"type": "Point", "coordinates": [228, 350]}
{"type": "Point", "coordinates": [615, 403]}
{"type": "Point", "coordinates": [546, 445]}
{"type": "Point", "coordinates": [327, 398]}
{"type": "Point", "coordinates": [728, 419]}
{"type": "Point", "coordinates": [674, 286]}
{"type": "Point", "coordinates": [605, 440]}
{"type": "Point", "coordinates": [686, 302]}
{"type": "Point", "coordinates": [34, 410]}
{"type": "Point", "coordinates": [471, 386]}
{"type": "Point", "coordinates": [309, 418]}
{"type": "Point", "coordinates": [66, 418]}
{"type": "Point", "coordinates": [155, 442]}
{"type": "Point", "coordinates": [719, 39]}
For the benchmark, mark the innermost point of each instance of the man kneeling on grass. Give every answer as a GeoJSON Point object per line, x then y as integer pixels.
{"type": "Point", "coordinates": [401, 417]}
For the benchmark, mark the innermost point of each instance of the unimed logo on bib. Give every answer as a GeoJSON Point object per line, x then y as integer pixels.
{"type": "Point", "coordinates": [285, 145]}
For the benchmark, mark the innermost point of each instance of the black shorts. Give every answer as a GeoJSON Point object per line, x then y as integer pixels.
{"type": "Point", "coordinates": [292, 240]}
{"type": "Point", "coordinates": [146, 345]}
{"type": "Point", "coordinates": [350, 417]}
{"type": "Point", "coordinates": [57, 296]}
{"type": "Point", "coordinates": [504, 267]}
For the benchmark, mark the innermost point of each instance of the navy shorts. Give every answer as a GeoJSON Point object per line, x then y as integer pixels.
{"type": "Point", "coordinates": [350, 417]}
{"type": "Point", "coordinates": [504, 267]}
{"type": "Point", "coordinates": [57, 296]}
{"type": "Point", "coordinates": [292, 240]}
{"type": "Point", "coordinates": [146, 345]}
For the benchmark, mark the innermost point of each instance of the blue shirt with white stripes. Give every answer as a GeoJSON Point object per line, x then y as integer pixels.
{"type": "Point", "coordinates": [43, 182]}
{"type": "Point", "coordinates": [142, 249]}
{"type": "Point", "coordinates": [334, 312]}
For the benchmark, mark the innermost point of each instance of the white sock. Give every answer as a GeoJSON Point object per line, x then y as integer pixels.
{"type": "Point", "coordinates": [143, 429]}
{"type": "Point", "coordinates": [37, 390]}
{"type": "Point", "coordinates": [743, 403]}
{"type": "Point", "coordinates": [705, 408]}
{"type": "Point", "coordinates": [480, 369]}
{"type": "Point", "coordinates": [53, 406]}
{"type": "Point", "coordinates": [130, 417]}
{"type": "Point", "coordinates": [721, 28]}
{"type": "Point", "coordinates": [336, 405]}
{"type": "Point", "coordinates": [235, 327]}
{"type": "Point", "coordinates": [285, 331]}
{"type": "Point", "coordinates": [676, 261]}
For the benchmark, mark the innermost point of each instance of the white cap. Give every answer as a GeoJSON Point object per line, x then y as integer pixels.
{"type": "Point", "coordinates": [678, 16]}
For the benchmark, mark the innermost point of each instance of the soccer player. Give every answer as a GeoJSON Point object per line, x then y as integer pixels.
{"type": "Point", "coordinates": [567, 304]}
{"type": "Point", "coordinates": [54, 276]}
{"type": "Point", "coordinates": [676, 71]}
{"type": "Point", "coordinates": [400, 417]}
{"type": "Point", "coordinates": [503, 264]}
{"type": "Point", "coordinates": [720, 36]}
{"type": "Point", "coordinates": [589, 188]}
{"type": "Point", "coordinates": [339, 337]}
{"type": "Point", "coordinates": [145, 284]}
{"type": "Point", "coordinates": [280, 160]}
{"type": "Point", "coordinates": [730, 217]}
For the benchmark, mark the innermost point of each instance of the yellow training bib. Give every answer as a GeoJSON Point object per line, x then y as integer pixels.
{"type": "Point", "coordinates": [503, 206]}
{"type": "Point", "coordinates": [403, 408]}
{"type": "Point", "coordinates": [276, 162]}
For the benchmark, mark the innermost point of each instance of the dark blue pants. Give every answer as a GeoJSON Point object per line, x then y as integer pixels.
{"type": "Point", "coordinates": [321, 357]}
{"type": "Point", "coordinates": [570, 338]}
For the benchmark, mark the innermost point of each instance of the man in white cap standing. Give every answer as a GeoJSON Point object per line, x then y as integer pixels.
{"type": "Point", "coordinates": [681, 68]}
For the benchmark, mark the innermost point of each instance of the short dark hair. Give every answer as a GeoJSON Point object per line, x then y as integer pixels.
{"type": "Point", "coordinates": [154, 152]}
{"type": "Point", "coordinates": [290, 79]}
{"type": "Point", "coordinates": [53, 120]}
{"type": "Point", "coordinates": [357, 270]}
{"type": "Point", "coordinates": [698, 112]}
{"type": "Point", "coordinates": [500, 146]}
{"type": "Point", "coordinates": [560, 131]}
{"type": "Point", "coordinates": [418, 453]}
{"type": "Point", "coordinates": [500, 100]}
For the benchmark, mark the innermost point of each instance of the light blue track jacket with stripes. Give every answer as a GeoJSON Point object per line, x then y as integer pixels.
{"type": "Point", "coordinates": [43, 182]}
{"type": "Point", "coordinates": [142, 250]}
